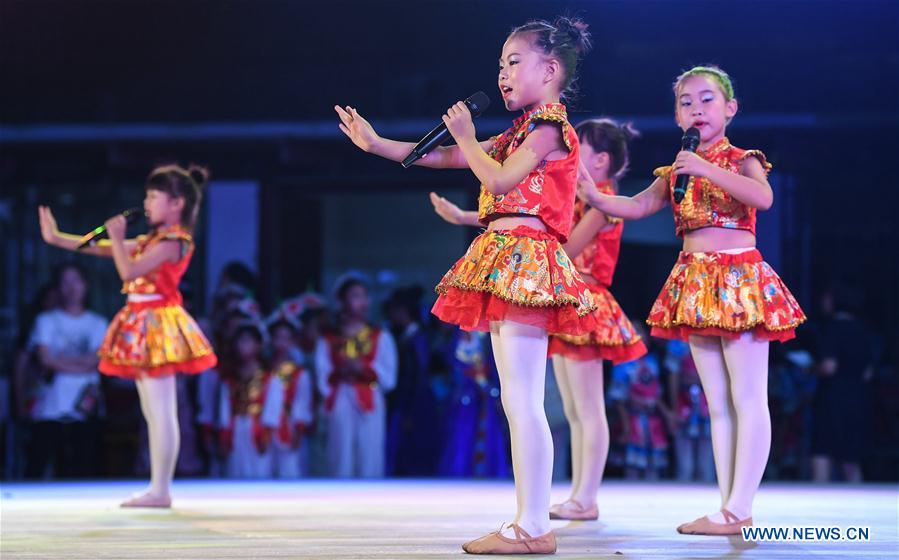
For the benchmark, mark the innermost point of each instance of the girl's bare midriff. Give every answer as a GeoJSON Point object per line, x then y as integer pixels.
{"type": "Point", "coordinates": [512, 222]}
{"type": "Point", "coordinates": [712, 239]}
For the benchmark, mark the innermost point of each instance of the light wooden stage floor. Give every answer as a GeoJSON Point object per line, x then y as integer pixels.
{"type": "Point", "coordinates": [325, 519]}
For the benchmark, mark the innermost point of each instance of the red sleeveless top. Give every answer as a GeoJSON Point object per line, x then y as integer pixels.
{"type": "Point", "coordinates": [599, 258]}
{"type": "Point", "coordinates": [548, 192]}
{"type": "Point", "coordinates": [164, 279]}
{"type": "Point", "coordinates": [705, 203]}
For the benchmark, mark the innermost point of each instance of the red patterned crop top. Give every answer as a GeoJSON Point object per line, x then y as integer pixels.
{"type": "Point", "coordinates": [705, 203]}
{"type": "Point", "coordinates": [598, 259]}
{"type": "Point", "coordinates": [165, 278]}
{"type": "Point", "coordinates": [548, 191]}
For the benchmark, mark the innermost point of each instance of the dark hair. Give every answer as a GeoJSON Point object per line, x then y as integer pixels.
{"type": "Point", "coordinates": [60, 270]}
{"type": "Point", "coordinates": [409, 299]}
{"type": "Point", "coordinates": [179, 182]}
{"type": "Point", "coordinates": [248, 327]}
{"type": "Point", "coordinates": [606, 135]}
{"type": "Point", "coordinates": [240, 274]}
{"type": "Point", "coordinates": [565, 39]}
{"type": "Point", "coordinates": [228, 355]}
{"type": "Point", "coordinates": [346, 284]}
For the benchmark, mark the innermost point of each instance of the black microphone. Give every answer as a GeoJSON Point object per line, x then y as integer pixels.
{"type": "Point", "coordinates": [689, 143]}
{"type": "Point", "coordinates": [99, 233]}
{"type": "Point", "coordinates": [477, 103]}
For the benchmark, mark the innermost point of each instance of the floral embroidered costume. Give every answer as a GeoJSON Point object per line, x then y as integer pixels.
{"type": "Point", "coordinates": [721, 293]}
{"type": "Point", "coordinates": [614, 338]}
{"type": "Point", "coordinates": [153, 335]}
{"type": "Point", "coordinates": [523, 274]}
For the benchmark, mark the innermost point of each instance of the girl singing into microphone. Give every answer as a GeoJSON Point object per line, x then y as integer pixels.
{"type": "Point", "coordinates": [515, 280]}
{"type": "Point", "coordinates": [152, 338]}
{"type": "Point", "coordinates": [593, 245]}
{"type": "Point", "coordinates": [721, 296]}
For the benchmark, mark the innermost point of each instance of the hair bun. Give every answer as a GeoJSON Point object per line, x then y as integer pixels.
{"type": "Point", "coordinates": [628, 131]}
{"type": "Point", "coordinates": [199, 175]}
{"type": "Point", "coordinates": [575, 31]}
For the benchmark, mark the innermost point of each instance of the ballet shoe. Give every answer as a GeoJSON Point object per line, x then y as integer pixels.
{"type": "Point", "coordinates": [147, 501]}
{"type": "Point", "coordinates": [523, 543]}
{"type": "Point", "coordinates": [573, 510]}
{"type": "Point", "coordinates": [705, 526]}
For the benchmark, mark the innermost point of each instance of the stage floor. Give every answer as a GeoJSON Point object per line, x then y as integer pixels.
{"type": "Point", "coordinates": [413, 519]}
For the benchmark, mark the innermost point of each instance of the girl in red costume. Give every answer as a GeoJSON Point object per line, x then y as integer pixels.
{"type": "Point", "coordinates": [152, 338]}
{"type": "Point", "coordinates": [515, 280]}
{"type": "Point", "coordinates": [721, 296]}
{"type": "Point", "coordinates": [577, 360]}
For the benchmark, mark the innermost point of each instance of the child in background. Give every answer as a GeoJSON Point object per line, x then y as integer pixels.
{"type": "Point", "coordinates": [296, 410]}
{"type": "Point", "coordinates": [691, 428]}
{"type": "Point", "coordinates": [637, 391]}
{"type": "Point", "coordinates": [250, 406]}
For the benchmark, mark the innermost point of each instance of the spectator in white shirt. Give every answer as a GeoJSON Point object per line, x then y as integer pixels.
{"type": "Point", "coordinates": [66, 429]}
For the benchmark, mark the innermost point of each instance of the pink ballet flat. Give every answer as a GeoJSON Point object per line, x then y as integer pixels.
{"type": "Point", "coordinates": [523, 543]}
{"type": "Point", "coordinates": [704, 525]}
{"type": "Point", "coordinates": [573, 510]}
{"type": "Point", "coordinates": [147, 501]}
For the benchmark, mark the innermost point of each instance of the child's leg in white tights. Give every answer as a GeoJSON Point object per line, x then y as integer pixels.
{"type": "Point", "coordinates": [520, 352]}
{"type": "Point", "coordinates": [708, 355]}
{"type": "Point", "coordinates": [158, 399]}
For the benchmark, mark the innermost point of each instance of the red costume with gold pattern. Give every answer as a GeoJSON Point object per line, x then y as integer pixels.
{"type": "Point", "coordinates": [721, 293]}
{"type": "Point", "coordinates": [614, 338]}
{"type": "Point", "coordinates": [153, 335]}
{"type": "Point", "coordinates": [246, 398]}
{"type": "Point", "coordinates": [523, 274]}
{"type": "Point", "coordinates": [362, 347]}
{"type": "Point", "coordinates": [289, 426]}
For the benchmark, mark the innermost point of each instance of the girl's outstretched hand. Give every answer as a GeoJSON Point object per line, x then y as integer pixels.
{"type": "Point", "coordinates": [356, 128]}
{"type": "Point", "coordinates": [49, 229]}
{"type": "Point", "coordinates": [446, 209]}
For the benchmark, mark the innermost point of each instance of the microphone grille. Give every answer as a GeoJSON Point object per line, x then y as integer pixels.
{"type": "Point", "coordinates": [478, 103]}
{"type": "Point", "coordinates": [691, 137]}
{"type": "Point", "coordinates": [132, 214]}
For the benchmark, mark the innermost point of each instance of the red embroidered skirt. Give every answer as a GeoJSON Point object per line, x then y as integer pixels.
{"type": "Point", "coordinates": [521, 275]}
{"type": "Point", "coordinates": [614, 338]}
{"type": "Point", "coordinates": [154, 338]}
{"type": "Point", "coordinates": [721, 294]}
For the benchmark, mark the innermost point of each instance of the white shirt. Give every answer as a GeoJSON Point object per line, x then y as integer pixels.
{"type": "Point", "coordinates": [63, 334]}
{"type": "Point", "coordinates": [301, 407]}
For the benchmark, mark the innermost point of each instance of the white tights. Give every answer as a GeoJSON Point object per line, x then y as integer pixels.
{"type": "Point", "coordinates": [159, 403]}
{"type": "Point", "coordinates": [734, 375]}
{"type": "Point", "coordinates": [520, 353]}
{"type": "Point", "coordinates": [581, 386]}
